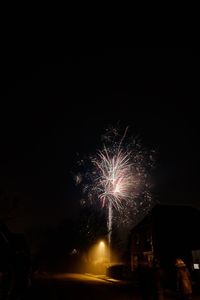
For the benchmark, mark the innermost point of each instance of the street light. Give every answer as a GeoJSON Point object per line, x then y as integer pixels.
{"type": "Point", "coordinates": [102, 244]}
{"type": "Point", "coordinates": [102, 250]}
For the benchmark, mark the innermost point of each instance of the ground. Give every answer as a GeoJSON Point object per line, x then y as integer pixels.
{"type": "Point", "coordinates": [77, 286]}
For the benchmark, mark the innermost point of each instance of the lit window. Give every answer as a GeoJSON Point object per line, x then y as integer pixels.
{"type": "Point", "coordinates": [196, 266]}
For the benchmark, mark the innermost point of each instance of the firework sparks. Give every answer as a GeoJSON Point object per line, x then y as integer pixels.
{"type": "Point", "coordinates": [116, 181]}
{"type": "Point", "coordinates": [119, 176]}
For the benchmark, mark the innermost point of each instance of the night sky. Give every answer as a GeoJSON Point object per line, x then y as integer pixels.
{"type": "Point", "coordinates": [55, 105]}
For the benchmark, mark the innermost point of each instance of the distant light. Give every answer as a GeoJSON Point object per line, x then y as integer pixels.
{"type": "Point", "coordinates": [196, 266]}
{"type": "Point", "coordinates": [74, 251]}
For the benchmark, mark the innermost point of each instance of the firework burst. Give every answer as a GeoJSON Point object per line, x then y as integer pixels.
{"type": "Point", "coordinates": [118, 176]}
{"type": "Point", "coordinates": [115, 182]}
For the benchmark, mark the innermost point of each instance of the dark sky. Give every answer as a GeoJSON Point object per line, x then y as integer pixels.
{"type": "Point", "coordinates": [55, 104]}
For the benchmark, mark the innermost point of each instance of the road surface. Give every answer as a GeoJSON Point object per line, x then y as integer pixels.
{"type": "Point", "coordinates": [77, 286]}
